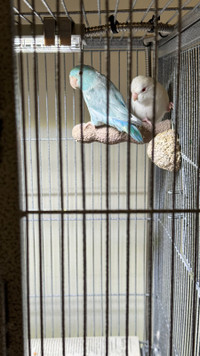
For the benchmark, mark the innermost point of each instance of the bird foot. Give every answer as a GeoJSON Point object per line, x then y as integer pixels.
{"type": "Point", "coordinates": [147, 121]}
{"type": "Point", "coordinates": [88, 124]}
{"type": "Point", "coordinates": [171, 106]}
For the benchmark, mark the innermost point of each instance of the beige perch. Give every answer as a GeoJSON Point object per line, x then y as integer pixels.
{"type": "Point", "coordinates": [164, 141]}
{"type": "Point", "coordinates": [99, 134]}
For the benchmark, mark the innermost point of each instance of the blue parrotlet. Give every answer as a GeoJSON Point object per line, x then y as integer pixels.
{"type": "Point", "coordinates": [94, 89]}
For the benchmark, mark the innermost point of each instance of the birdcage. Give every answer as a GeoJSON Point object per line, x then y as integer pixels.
{"type": "Point", "coordinates": [100, 244]}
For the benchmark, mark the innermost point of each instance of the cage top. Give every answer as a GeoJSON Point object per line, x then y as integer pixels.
{"type": "Point", "coordinates": [95, 15]}
{"type": "Point", "coordinates": [95, 12]}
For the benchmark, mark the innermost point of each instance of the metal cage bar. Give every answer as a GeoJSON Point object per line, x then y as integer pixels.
{"type": "Point", "coordinates": [11, 264]}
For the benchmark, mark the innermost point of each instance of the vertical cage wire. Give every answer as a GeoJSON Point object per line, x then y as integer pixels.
{"type": "Point", "coordinates": [60, 157]}
{"type": "Point", "coordinates": [107, 186]}
{"type": "Point", "coordinates": [173, 281]}
{"type": "Point", "coordinates": [38, 184]}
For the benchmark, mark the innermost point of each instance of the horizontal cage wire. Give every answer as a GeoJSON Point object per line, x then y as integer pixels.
{"type": "Point", "coordinates": [111, 241]}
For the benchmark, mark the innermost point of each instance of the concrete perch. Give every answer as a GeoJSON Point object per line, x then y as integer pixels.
{"type": "Point", "coordinates": [99, 134]}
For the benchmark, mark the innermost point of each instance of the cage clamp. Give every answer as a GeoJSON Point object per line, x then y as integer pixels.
{"type": "Point", "coordinates": [113, 24]}
{"type": "Point", "coordinates": [152, 22]}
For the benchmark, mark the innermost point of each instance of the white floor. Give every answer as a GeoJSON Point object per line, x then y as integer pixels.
{"type": "Point", "coordinates": [95, 346]}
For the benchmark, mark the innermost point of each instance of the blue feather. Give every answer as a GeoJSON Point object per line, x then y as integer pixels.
{"type": "Point", "coordinates": [135, 134]}
{"type": "Point", "coordinates": [122, 126]}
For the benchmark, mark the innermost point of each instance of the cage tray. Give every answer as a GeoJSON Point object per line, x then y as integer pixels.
{"type": "Point", "coordinates": [95, 346]}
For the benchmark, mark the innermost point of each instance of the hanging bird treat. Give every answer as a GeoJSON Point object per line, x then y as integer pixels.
{"type": "Point", "coordinates": [164, 151]}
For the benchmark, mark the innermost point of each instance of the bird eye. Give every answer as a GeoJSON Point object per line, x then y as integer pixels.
{"type": "Point", "coordinates": [80, 73]}
{"type": "Point", "coordinates": [143, 89]}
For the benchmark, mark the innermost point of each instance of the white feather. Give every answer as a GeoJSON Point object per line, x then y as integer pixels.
{"type": "Point", "coordinates": [143, 106]}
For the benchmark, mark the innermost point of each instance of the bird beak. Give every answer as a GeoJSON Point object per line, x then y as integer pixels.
{"type": "Point", "coordinates": [135, 96]}
{"type": "Point", "coordinates": [73, 82]}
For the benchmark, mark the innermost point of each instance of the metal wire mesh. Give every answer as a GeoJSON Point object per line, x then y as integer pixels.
{"type": "Point", "coordinates": [186, 225]}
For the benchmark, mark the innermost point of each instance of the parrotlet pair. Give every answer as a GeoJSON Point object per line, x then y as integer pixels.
{"type": "Point", "coordinates": [94, 89]}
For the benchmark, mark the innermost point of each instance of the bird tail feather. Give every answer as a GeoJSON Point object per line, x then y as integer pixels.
{"type": "Point", "coordinates": [135, 120]}
{"type": "Point", "coordinates": [134, 132]}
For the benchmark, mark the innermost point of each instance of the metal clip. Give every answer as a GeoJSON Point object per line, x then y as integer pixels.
{"type": "Point", "coordinates": [152, 22]}
{"type": "Point", "coordinates": [113, 24]}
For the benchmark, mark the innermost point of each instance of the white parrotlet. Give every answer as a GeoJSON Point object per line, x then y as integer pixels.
{"type": "Point", "coordinates": [142, 89]}
{"type": "Point", "coordinates": [94, 89]}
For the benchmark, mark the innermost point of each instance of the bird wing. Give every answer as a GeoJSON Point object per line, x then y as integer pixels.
{"type": "Point", "coordinates": [96, 101]}
{"type": "Point", "coordinates": [118, 109]}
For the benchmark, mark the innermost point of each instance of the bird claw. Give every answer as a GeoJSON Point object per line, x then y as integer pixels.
{"type": "Point", "coordinates": [147, 121]}
{"type": "Point", "coordinates": [171, 106]}
{"type": "Point", "coordinates": [88, 124]}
